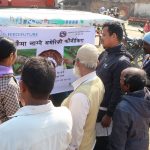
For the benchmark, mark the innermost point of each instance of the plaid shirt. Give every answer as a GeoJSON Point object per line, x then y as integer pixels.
{"type": "Point", "coordinates": [9, 95]}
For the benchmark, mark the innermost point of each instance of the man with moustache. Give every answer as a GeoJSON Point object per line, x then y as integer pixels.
{"type": "Point", "coordinates": [85, 100]}
{"type": "Point", "coordinates": [114, 60]}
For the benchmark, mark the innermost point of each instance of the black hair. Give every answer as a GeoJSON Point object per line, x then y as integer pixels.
{"type": "Point", "coordinates": [114, 27]}
{"type": "Point", "coordinates": [39, 76]}
{"type": "Point", "coordinates": [135, 81]}
{"type": "Point", "coordinates": [7, 47]}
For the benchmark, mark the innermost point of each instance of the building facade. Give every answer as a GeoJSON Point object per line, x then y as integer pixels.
{"type": "Point", "coordinates": [137, 8]}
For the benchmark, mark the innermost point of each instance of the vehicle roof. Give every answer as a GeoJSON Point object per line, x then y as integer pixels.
{"type": "Point", "coordinates": [51, 17]}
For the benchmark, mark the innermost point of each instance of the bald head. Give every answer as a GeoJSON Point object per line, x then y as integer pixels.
{"type": "Point", "coordinates": [135, 78]}
{"type": "Point", "coordinates": [134, 71]}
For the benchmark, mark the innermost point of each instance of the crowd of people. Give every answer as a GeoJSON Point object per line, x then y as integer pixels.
{"type": "Point", "coordinates": [109, 108]}
{"type": "Point", "coordinates": [113, 12]}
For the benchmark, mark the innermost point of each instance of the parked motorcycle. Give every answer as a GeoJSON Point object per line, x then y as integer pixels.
{"type": "Point", "coordinates": [134, 47]}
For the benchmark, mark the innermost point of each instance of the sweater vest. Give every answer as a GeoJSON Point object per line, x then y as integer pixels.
{"type": "Point", "coordinates": [94, 90]}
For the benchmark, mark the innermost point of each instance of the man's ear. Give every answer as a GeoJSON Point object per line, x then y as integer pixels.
{"type": "Point", "coordinates": [23, 90]}
{"type": "Point", "coordinates": [77, 63]}
{"type": "Point", "coordinates": [11, 56]}
{"type": "Point", "coordinates": [127, 87]}
{"type": "Point", "coordinates": [22, 86]}
{"type": "Point", "coordinates": [114, 35]}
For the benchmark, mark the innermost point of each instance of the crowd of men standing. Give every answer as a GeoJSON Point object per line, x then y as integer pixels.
{"type": "Point", "coordinates": [109, 108]}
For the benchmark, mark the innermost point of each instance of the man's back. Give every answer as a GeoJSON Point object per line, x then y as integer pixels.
{"type": "Point", "coordinates": [131, 122]}
{"type": "Point", "coordinates": [9, 97]}
{"type": "Point", "coordinates": [42, 127]}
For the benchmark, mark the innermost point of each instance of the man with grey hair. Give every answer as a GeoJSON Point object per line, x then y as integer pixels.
{"type": "Point", "coordinates": [131, 117]}
{"type": "Point", "coordinates": [85, 100]}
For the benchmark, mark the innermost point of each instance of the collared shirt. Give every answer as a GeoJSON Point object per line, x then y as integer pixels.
{"type": "Point", "coordinates": [5, 70]}
{"type": "Point", "coordinates": [42, 127]}
{"type": "Point", "coordinates": [9, 94]}
{"type": "Point", "coordinates": [79, 107]}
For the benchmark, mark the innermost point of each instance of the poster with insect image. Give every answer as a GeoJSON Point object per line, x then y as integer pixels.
{"type": "Point", "coordinates": [58, 44]}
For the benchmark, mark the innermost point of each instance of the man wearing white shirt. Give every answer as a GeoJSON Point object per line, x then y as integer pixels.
{"type": "Point", "coordinates": [38, 125]}
{"type": "Point", "coordinates": [85, 100]}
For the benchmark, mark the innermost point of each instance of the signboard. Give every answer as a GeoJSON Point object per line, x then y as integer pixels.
{"type": "Point", "coordinates": [56, 44]}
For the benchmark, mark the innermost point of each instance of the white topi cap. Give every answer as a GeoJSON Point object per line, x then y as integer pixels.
{"type": "Point", "coordinates": [88, 54]}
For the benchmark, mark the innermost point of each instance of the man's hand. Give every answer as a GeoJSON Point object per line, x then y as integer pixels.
{"type": "Point", "coordinates": [68, 61]}
{"type": "Point", "coordinates": [106, 120]}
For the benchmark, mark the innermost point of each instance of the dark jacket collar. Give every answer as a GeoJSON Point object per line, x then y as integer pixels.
{"type": "Point", "coordinates": [140, 101]}
{"type": "Point", "coordinates": [115, 49]}
{"type": "Point", "coordinates": [119, 50]}
{"type": "Point", "coordinates": [139, 93]}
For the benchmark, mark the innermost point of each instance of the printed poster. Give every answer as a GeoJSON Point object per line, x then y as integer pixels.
{"type": "Point", "coordinates": [55, 43]}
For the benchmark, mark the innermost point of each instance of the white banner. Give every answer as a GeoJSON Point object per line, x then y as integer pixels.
{"type": "Point", "coordinates": [51, 17]}
{"type": "Point", "coordinates": [54, 43]}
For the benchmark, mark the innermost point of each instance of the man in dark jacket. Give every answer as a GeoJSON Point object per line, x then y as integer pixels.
{"type": "Point", "coordinates": [146, 62]}
{"type": "Point", "coordinates": [114, 60]}
{"type": "Point", "coordinates": [132, 115]}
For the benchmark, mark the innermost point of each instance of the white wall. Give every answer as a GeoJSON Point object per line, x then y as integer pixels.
{"type": "Point", "coordinates": [142, 10]}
